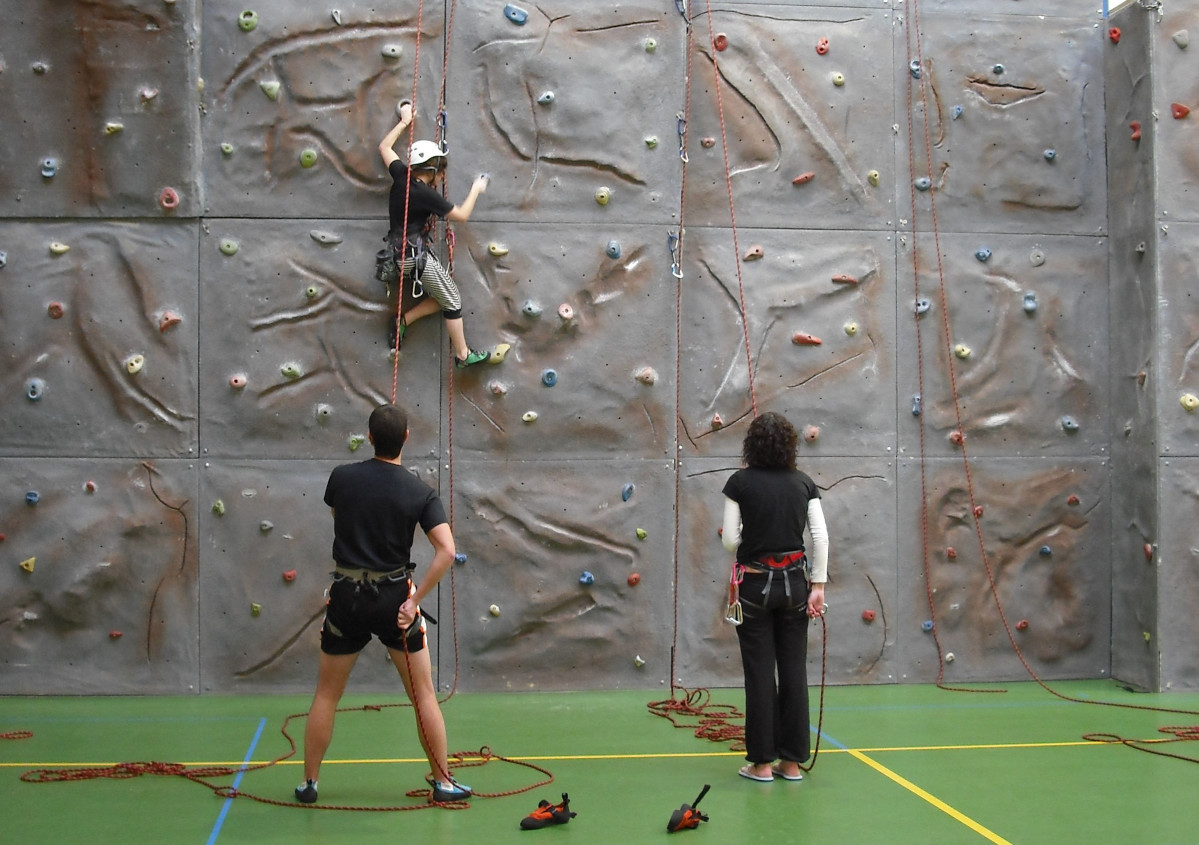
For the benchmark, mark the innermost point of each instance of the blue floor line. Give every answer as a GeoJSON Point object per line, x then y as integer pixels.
{"type": "Point", "coordinates": [237, 781]}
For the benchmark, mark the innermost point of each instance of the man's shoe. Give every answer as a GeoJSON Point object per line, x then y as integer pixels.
{"type": "Point", "coordinates": [306, 792]}
{"type": "Point", "coordinates": [396, 338]}
{"type": "Point", "coordinates": [473, 357]}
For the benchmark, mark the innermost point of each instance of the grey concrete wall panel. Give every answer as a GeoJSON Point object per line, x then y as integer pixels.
{"type": "Point", "coordinates": [99, 340]}
{"type": "Point", "coordinates": [1178, 334]}
{"type": "Point", "coordinates": [294, 108]}
{"type": "Point", "coordinates": [1176, 81]}
{"type": "Point", "coordinates": [99, 577]}
{"type": "Point", "coordinates": [1061, 9]}
{"type": "Point", "coordinates": [839, 289]}
{"type": "Point", "coordinates": [792, 113]}
{"type": "Point", "coordinates": [1049, 558]}
{"type": "Point", "coordinates": [1178, 628]}
{"type": "Point", "coordinates": [1032, 382]}
{"type": "Point", "coordinates": [601, 381]}
{"type": "Point", "coordinates": [267, 559]}
{"type": "Point", "coordinates": [530, 531]}
{"type": "Point", "coordinates": [858, 498]}
{"type": "Point", "coordinates": [1132, 267]}
{"type": "Point", "coordinates": [100, 103]}
{"type": "Point", "coordinates": [295, 341]}
{"type": "Point", "coordinates": [565, 104]}
{"type": "Point", "coordinates": [1017, 125]}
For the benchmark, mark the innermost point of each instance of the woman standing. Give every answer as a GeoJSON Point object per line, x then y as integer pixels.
{"type": "Point", "coordinates": [767, 504]}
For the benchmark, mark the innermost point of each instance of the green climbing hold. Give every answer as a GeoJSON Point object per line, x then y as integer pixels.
{"type": "Point", "coordinates": [308, 157]}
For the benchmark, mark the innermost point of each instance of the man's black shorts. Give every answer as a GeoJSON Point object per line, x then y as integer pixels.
{"type": "Point", "coordinates": [356, 611]}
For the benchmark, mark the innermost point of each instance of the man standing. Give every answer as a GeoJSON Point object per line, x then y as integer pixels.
{"type": "Point", "coordinates": [377, 505]}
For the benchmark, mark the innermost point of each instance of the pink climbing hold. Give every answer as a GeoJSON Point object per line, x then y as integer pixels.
{"type": "Point", "coordinates": [811, 433]}
{"type": "Point", "coordinates": [845, 279]}
{"type": "Point", "coordinates": [90, 486]}
{"type": "Point", "coordinates": [957, 438]}
{"type": "Point", "coordinates": [168, 319]}
{"type": "Point", "coordinates": [1072, 500]}
{"type": "Point", "coordinates": [720, 41]}
{"type": "Point", "coordinates": [804, 178]}
{"type": "Point", "coordinates": [565, 311]}
{"type": "Point", "coordinates": [237, 381]}
{"type": "Point", "coordinates": [822, 46]}
{"type": "Point", "coordinates": [867, 615]}
{"type": "Point", "coordinates": [951, 553]}
{"type": "Point", "coordinates": [55, 310]}
{"type": "Point", "coordinates": [1022, 625]}
{"type": "Point", "coordinates": [805, 339]}
{"type": "Point", "coordinates": [289, 575]}
{"type": "Point", "coordinates": [754, 253]}
{"type": "Point", "coordinates": [1179, 110]}
{"type": "Point", "coordinates": [169, 199]}
{"type": "Point", "coordinates": [717, 422]}
{"type": "Point", "coordinates": [1148, 551]}
{"type": "Point", "coordinates": [634, 579]}
{"type": "Point", "coordinates": [1135, 126]}
{"type": "Point", "coordinates": [978, 511]}
{"type": "Point", "coordinates": [707, 143]}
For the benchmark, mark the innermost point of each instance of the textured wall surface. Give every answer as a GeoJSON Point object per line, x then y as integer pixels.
{"type": "Point", "coordinates": [185, 366]}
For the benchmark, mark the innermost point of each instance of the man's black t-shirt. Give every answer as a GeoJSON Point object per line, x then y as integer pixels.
{"type": "Point", "coordinates": [424, 202]}
{"type": "Point", "coordinates": [774, 509]}
{"type": "Point", "coordinates": [376, 508]}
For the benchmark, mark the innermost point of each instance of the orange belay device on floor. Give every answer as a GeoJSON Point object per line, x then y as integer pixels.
{"type": "Point", "coordinates": [687, 816]}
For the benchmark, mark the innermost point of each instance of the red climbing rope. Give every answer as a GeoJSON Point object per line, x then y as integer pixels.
{"type": "Point", "coordinates": [916, 62]}
{"type": "Point", "coordinates": [16, 735]}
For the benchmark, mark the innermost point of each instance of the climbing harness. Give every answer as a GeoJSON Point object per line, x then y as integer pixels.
{"type": "Point", "coordinates": [733, 614]}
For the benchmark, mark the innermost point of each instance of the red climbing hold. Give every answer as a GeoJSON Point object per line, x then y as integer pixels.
{"type": "Point", "coordinates": [1148, 551]}
{"type": "Point", "coordinates": [957, 438]}
{"type": "Point", "coordinates": [1179, 110]}
{"type": "Point", "coordinates": [951, 553]}
{"type": "Point", "coordinates": [868, 615]}
{"type": "Point", "coordinates": [1135, 126]}
{"type": "Point", "coordinates": [978, 511]}
{"type": "Point", "coordinates": [804, 178]}
{"type": "Point", "coordinates": [1022, 625]}
{"type": "Point", "coordinates": [114, 635]}
{"type": "Point", "coordinates": [289, 575]}
{"type": "Point", "coordinates": [822, 46]}
{"type": "Point", "coordinates": [169, 199]}
{"type": "Point", "coordinates": [720, 41]}
{"type": "Point", "coordinates": [634, 579]}
{"type": "Point", "coordinates": [55, 310]}
{"type": "Point", "coordinates": [805, 339]}
{"type": "Point", "coordinates": [1072, 500]}
{"type": "Point", "coordinates": [1114, 34]}
{"type": "Point", "coordinates": [845, 279]}
{"type": "Point", "coordinates": [90, 486]}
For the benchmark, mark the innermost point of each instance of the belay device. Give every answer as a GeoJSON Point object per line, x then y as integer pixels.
{"type": "Point", "coordinates": [687, 816]}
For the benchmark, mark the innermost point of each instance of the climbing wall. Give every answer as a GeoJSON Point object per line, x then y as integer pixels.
{"type": "Point", "coordinates": [913, 267]}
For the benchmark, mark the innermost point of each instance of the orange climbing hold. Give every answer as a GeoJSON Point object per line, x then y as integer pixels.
{"type": "Point", "coordinates": [805, 339]}
{"type": "Point", "coordinates": [804, 178]}
{"type": "Point", "coordinates": [868, 615]}
{"type": "Point", "coordinates": [168, 319]}
{"type": "Point", "coordinates": [1179, 110]}
{"type": "Point", "coordinates": [754, 253]}
{"type": "Point", "coordinates": [845, 279]}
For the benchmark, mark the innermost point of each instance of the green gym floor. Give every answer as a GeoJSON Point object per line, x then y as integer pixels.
{"type": "Point", "coordinates": [897, 764]}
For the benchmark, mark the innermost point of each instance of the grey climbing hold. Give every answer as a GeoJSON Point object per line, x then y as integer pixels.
{"type": "Point", "coordinates": [586, 579]}
{"type": "Point", "coordinates": [549, 378]}
{"type": "Point", "coordinates": [324, 412]}
{"type": "Point", "coordinates": [336, 15]}
{"type": "Point", "coordinates": [613, 249]}
{"type": "Point", "coordinates": [326, 238]}
{"type": "Point", "coordinates": [265, 526]}
{"type": "Point", "coordinates": [1030, 302]}
{"type": "Point", "coordinates": [923, 183]}
{"type": "Point", "coordinates": [516, 14]}
{"type": "Point", "coordinates": [247, 20]}
{"type": "Point", "coordinates": [1037, 257]}
{"type": "Point", "coordinates": [1141, 247]}
{"type": "Point", "coordinates": [1069, 424]}
{"type": "Point", "coordinates": [531, 308]}
{"type": "Point", "coordinates": [1050, 154]}
{"type": "Point", "coordinates": [391, 51]}
{"type": "Point", "coordinates": [915, 404]}
{"type": "Point", "coordinates": [1182, 38]}
{"type": "Point", "coordinates": [49, 167]}
{"type": "Point", "coordinates": [546, 98]}
{"type": "Point", "coordinates": [922, 305]}
{"type": "Point", "coordinates": [3, 259]}
{"type": "Point", "coordinates": [35, 388]}
{"type": "Point", "coordinates": [914, 68]}
{"type": "Point", "coordinates": [998, 70]}
{"type": "Point", "coordinates": [957, 112]}
{"type": "Point", "coordinates": [982, 253]}
{"type": "Point", "coordinates": [1046, 551]}
{"type": "Point", "coordinates": [627, 492]}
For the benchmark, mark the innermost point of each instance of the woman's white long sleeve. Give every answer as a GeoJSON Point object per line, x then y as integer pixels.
{"type": "Point", "coordinates": [730, 532]}
{"type": "Point", "coordinates": [819, 531]}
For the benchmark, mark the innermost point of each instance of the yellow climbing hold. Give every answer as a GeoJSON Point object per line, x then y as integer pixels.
{"type": "Point", "coordinates": [499, 353]}
{"type": "Point", "coordinates": [872, 177]}
{"type": "Point", "coordinates": [962, 351]}
{"type": "Point", "coordinates": [255, 608]}
{"type": "Point", "coordinates": [28, 564]}
{"type": "Point", "coordinates": [851, 329]}
{"type": "Point", "coordinates": [1189, 401]}
{"type": "Point", "coordinates": [59, 248]}
{"type": "Point", "coordinates": [497, 249]}
{"type": "Point", "coordinates": [134, 364]}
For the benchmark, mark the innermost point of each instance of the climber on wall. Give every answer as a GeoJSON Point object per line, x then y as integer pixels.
{"type": "Point", "coordinates": [411, 184]}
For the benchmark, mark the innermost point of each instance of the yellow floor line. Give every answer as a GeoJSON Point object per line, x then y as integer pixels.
{"type": "Point", "coordinates": [932, 799]}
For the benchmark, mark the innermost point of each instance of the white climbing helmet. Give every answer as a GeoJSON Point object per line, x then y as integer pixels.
{"type": "Point", "coordinates": [426, 155]}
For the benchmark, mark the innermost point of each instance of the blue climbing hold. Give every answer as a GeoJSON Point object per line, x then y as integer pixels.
{"type": "Point", "coordinates": [31, 498]}
{"type": "Point", "coordinates": [926, 625]}
{"type": "Point", "coordinates": [586, 578]}
{"type": "Point", "coordinates": [923, 183]}
{"type": "Point", "coordinates": [1050, 155]}
{"type": "Point", "coordinates": [613, 249]}
{"type": "Point", "coordinates": [1030, 302]}
{"type": "Point", "coordinates": [957, 112]}
{"type": "Point", "coordinates": [460, 557]}
{"type": "Point", "coordinates": [34, 388]}
{"type": "Point", "coordinates": [549, 378]}
{"type": "Point", "coordinates": [1069, 423]}
{"type": "Point", "coordinates": [531, 308]}
{"type": "Point", "coordinates": [916, 405]}
{"type": "Point", "coordinates": [546, 98]}
{"type": "Point", "coordinates": [627, 492]}
{"type": "Point", "coordinates": [914, 68]}
{"type": "Point", "coordinates": [516, 14]}
{"type": "Point", "coordinates": [998, 70]}
{"type": "Point", "coordinates": [1046, 551]}
{"type": "Point", "coordinates": [3, 259]}
{"type": "Point", "coordinates": [922, 305]}
{"type": "Point", "coordinates": [982, 253]}
{"type": "Point", "coordinates": [49, 167]}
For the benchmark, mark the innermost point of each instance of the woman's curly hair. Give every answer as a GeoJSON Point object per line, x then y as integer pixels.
{"type": "Point", "coordinates": [770, 442]}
